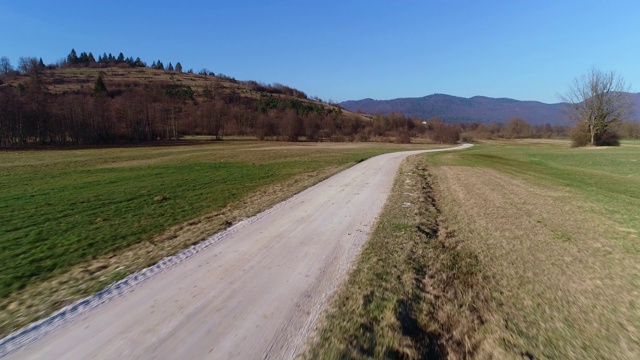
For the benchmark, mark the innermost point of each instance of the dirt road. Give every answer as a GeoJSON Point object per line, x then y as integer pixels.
{"type": "Point", "coordinates": [253, 294]}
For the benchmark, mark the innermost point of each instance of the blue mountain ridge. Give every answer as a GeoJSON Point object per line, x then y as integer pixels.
{"type": "Point", "coordinates": [475, 109]}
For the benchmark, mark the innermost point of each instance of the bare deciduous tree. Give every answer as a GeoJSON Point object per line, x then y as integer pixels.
{"type": "Point", "coordinates": [598, 101]}
{"type": "Point", "coordinates": [290, 126]}
{"type": "Point", "coordinates": [27, 65]}
{"type": "Point", "coordinates": [518, 128]}
{"type": "Point", "coordinates": [5, 66]}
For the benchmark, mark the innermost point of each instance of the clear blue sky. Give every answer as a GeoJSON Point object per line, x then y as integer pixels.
{"type": "Point", "coordinates": [348, 50]}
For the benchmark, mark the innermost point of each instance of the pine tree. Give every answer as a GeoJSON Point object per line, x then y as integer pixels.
{"type": "Point", "coordinates": [84, 58]}
{"type": "Point", "coordinates": [179, 67]}
{"type": "Point", "coordinates": [120, 58]}
{"type": "Point", "coordinates": [99, 86]}
{"type": "Point", "coordinates": [170, 67]}
{"type": "Point", "coordinates": [139, 63]}
{"type": "Point", "coordinates": [73, 57]}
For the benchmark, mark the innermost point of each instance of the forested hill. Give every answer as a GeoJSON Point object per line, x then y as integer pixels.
{"type": "Point", "coordinates": [84, 100]}
{"type": "Point", "coordinates": [459, 109]}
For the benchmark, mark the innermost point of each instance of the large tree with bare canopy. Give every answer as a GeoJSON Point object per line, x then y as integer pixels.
{"type": "Point", "coordinates": [599, 100]}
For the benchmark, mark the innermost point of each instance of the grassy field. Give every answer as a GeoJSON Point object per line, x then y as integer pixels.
{"type": "Point", "coordinates": [72, 221]}
{"type": "Point", "coordinates": [537, 256]}
{"type": "Point", "coordinates": [607, 180]}
{"type": "Point", "coordinates": [558, 228]}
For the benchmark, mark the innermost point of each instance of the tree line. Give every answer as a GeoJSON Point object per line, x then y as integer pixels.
{"type": "Point", "coordinates": [32, 116]}
{"type": "Point", "coordinates": [29, 64]}
{"type": "Point", "coordinates": [514, 128]}
{"type": "Point", "coordinates": [114, 113]}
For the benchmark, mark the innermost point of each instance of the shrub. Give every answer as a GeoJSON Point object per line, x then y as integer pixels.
{"type": "Point", "coordinates": [445, 133]}
{"type": "Point", "coordinates": [608, 138]}
{"type": "Point", "coordinates": [580, 136]}
{"type": "Point", "coordinates": [467, 137]}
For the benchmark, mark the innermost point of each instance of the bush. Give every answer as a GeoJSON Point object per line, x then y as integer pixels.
{"type": "Point", "coordinates": [404, 137]}
{"type": "Point", "coordinates": [445, 133]}
{"type": "Point", "coordinates": [580, 136]}
{"type": "Point", "coordinates": [608, 138]}
{"type": "Point", "coordinates": [629, 130]}
{"type": "Point", "coordinates": [467, 137]}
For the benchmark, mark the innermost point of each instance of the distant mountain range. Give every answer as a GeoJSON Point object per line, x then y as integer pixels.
{"type": "Point", "coordinates": [478, 108]}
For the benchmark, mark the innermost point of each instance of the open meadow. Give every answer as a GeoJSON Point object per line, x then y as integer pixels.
{"type": "Point", "coordinates": [73, 221]}
{"type": "Point", "coordinates": [558, 229]}
{"type": "Point", "coordinates": [511, 249]}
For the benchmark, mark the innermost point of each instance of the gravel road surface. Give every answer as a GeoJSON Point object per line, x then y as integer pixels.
{"type": "Point", "coordinates": [253, 294]}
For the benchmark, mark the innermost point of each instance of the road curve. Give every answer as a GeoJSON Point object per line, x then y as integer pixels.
{"type": "Point", "coordinates": [254, 294]}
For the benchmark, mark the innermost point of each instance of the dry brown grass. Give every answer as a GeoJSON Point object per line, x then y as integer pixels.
{"type": "Point", "coordinates": [81, 80]}
{"type": "Point", "coordinates": [565, 288]}
{"type": "Point", "coordinates": [416, 292]}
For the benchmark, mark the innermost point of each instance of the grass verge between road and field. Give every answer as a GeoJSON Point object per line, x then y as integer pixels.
{"type": "Point", "coordinates": [414, 292]}
{"type": "Point", "coordinates": [73, 221]}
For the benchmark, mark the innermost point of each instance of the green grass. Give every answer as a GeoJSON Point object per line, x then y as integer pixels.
{"type": "Point", "coordinates": [57, 219]}
{"type": "Point", "coordinates": [609, 176]}
{"type": "Point", "coordinates": [59, 208]}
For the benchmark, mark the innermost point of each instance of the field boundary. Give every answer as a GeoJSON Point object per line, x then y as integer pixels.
{"type": "Point", "coordinates": [415, 291]}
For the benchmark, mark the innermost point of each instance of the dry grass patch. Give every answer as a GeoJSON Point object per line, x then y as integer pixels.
{"type": "Point", "coordinates": [566, 286]}
{"type": "Point", "coordinates": [415, 292]}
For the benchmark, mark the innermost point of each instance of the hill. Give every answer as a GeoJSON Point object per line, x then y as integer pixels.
{"type": "Point", "coordinates": [91, 103]}
{"type": "Point", "coordinates": [458, 109]}
{"type": "Point", "coordinates": [81, 101]}
{"type": "Point", "coordinates": [80, 80]}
